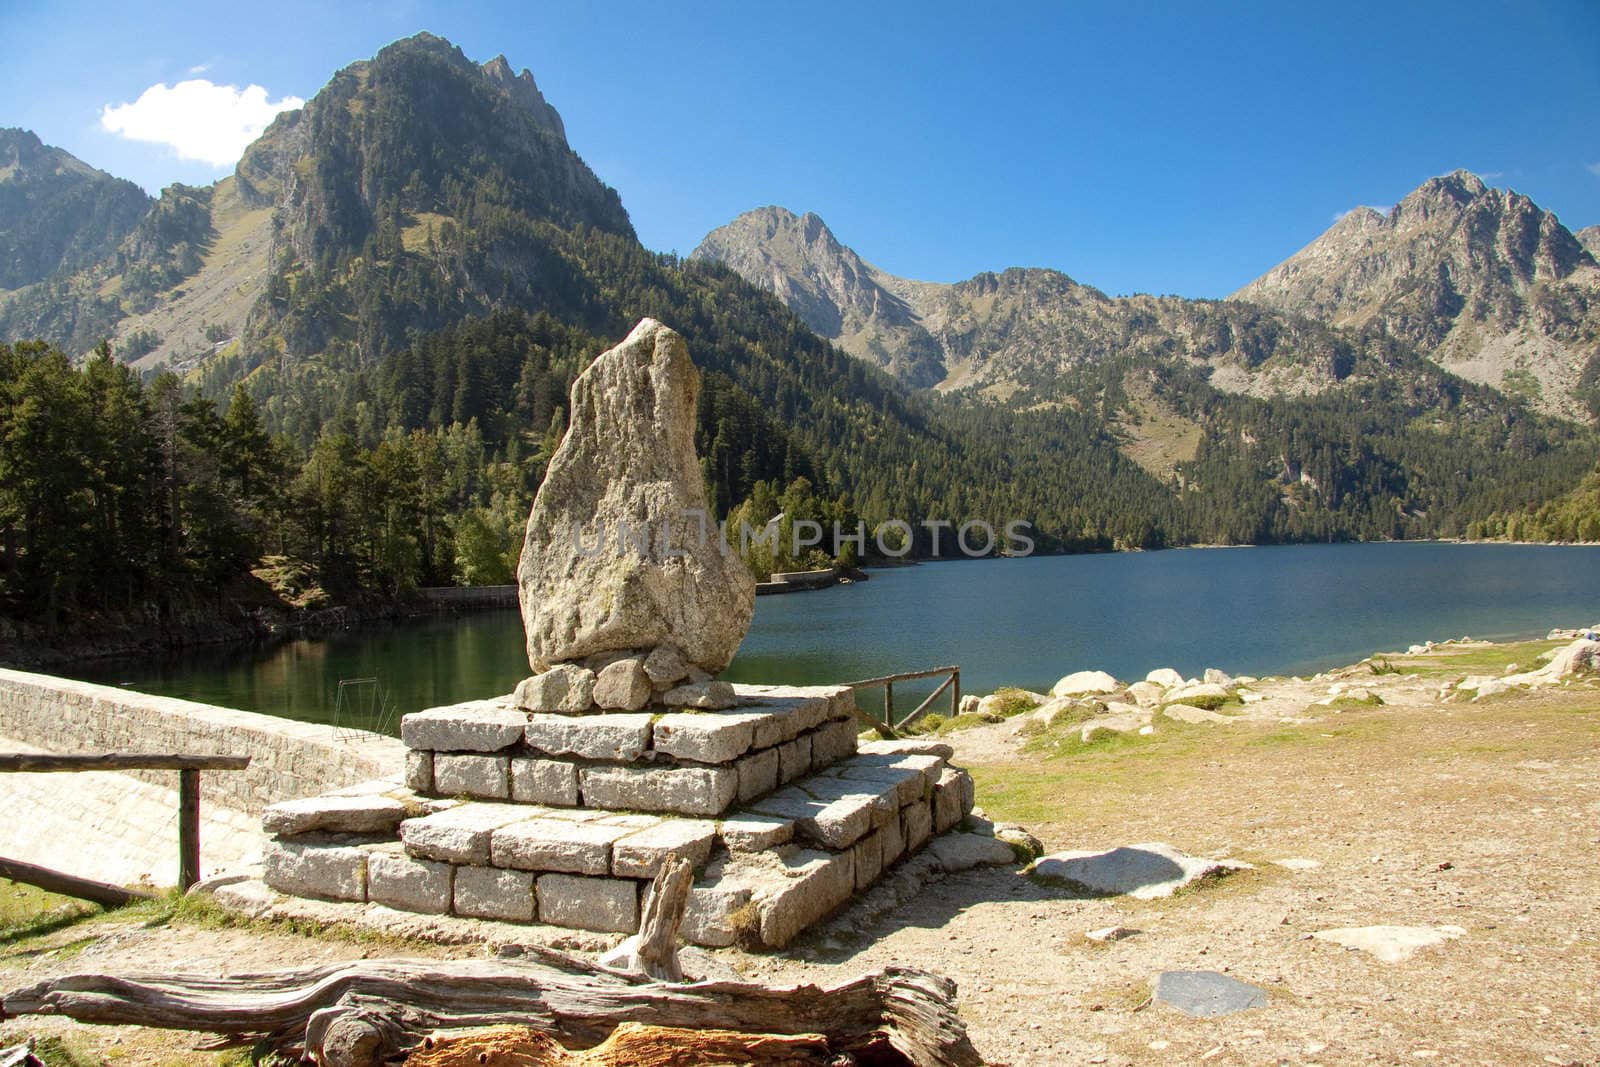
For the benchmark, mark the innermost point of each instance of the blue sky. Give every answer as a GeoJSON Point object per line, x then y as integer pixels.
{"type": "Point", "coordinates": [1139, 147]}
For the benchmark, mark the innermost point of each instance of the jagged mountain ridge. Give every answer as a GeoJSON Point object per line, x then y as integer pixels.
{"type": "Point", "coordinates": [1482, 280]}
{"type": "Point", "coordinates": [1019, 331]}
{"type": "Point", "coordinates": [57, 212]}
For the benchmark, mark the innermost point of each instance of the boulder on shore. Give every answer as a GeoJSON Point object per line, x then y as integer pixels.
{"type": "Point", "coordinates": [1085, 683]}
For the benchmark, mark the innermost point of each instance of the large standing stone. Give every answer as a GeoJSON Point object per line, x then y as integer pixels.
{"type": "Point", "coordinates": [627, 472]}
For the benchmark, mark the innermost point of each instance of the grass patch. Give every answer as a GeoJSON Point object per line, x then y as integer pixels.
{"type": "Point", "coordinates": [1010, 701]}
{"type": "Point", "coordinates": [1452, 660]}
{"type": "Point", "coordinates": [1120, 998]}
{"type": "Point", "coordinates": [62, 1052]}
{"type": "Point", "coordinates": [1371, 700]}
{"type": "Point", "coordinates": [27, 911]}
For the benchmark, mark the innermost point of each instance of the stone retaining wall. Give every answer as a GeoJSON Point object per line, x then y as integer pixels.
{"type": "Point", "coordinates": [288, 759]}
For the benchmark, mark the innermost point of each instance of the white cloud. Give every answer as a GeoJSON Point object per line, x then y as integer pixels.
{"type": "Point", "coordinates": [200, 120]}
{"type": "Point", "coordinates": [199, 68]}
{"type": "Point", "coordinates": [1593, 168]}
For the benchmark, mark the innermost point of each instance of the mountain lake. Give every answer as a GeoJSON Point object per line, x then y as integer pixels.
{"type": "Point", "coordinates": [1026, 622]}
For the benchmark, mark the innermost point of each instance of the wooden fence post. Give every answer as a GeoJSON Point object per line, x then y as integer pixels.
{"type": "Point", "coordinates": [188, 828]}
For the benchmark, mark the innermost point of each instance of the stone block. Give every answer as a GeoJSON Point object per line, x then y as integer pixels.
{"type": "Point", "coordinates": [755, 833]}
{"type": "Point", "coordinates": [892, 839]}
{"type": "Point", "coordinates": [916, 825]}
{"type": "Point", "coordinates": [832, 742]}
{"type": "Point", "coordinates": [836, 822]}
{"type": "Point", "coordinates": [794, 759]}
{"type": "Point", "coordinates": [476, 726]}
{"type": "Point", "coordinates": [608, 905]}
{"type": "Point", "coordinates": [544, 781]}
{"type": "Point", "coordinates": [815, 884]}
{"type": "Point", "coordinates": [842, 702]}
{"type": "Point", "coordinates": [868, 859]}
{"type": "Point", "coordinates": [758, 774]}
{"type": "Point", "coordinates": [909, 746]}
{"type": "Point", "coordinates": [419, 770]}
{"type": "Point", "coordinates": [711, 917]}
{"type": "Point", "coordinates": [334, 815]}
{"type": "Point", "coordinates": [311, 867]}
{"type": "Point", "coordinates": [623, 685]}
{"type": "Point", "coordinates": [929, 766]}
{"type": "Point", "coordinates": [906, 784]}
{"type": "Point", "coordinates": [705, 737]}
{"type": "Point", "coordinates": [641, 852]}
{"type": "Point", "coordinates": [883, 796]}
{"type": "Point", "coordinates": [564, 687]}
{"type": "Point", "coordinates": [789, 717]}
{"type": "Point", "coordinates": [404, 882]}
{"type": "Point", "coordinates": [492, 893]}
{"type": "Point", "coordinates": [460, 834]}
{"type": "Point", "coordinates": [622, 738]}
{"type": "Point", "coordinates": [684, 790]}
{"type": "Point", "coordinates": [485, 777]}
{"type": "Point", "coordinates": [946, 808]}
{"type": "Point", "coordinates": [952, 799]}
{"type": "Point", "coordinates": [555, 845]}
{"type": "Point", "coordinates": [961, 852]}
{"type": "Point", "coordinates": [795, 709]}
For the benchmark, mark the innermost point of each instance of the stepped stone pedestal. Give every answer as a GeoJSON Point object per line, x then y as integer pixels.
{"type": "Point", "coordinates": [564, 820]}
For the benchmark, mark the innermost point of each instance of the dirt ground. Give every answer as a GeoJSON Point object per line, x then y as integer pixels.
{"type": "Point", "coordinates": [1417, 811]}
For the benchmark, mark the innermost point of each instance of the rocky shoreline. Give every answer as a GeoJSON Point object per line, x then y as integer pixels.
{"type": "Point", "coordinates": [1091, 704]}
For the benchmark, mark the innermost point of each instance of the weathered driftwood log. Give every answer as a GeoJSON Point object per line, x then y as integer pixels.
{"type": "Point", "coordinates": [653, 951]}
{"type": "Point", "coordinates": [367, 1011]}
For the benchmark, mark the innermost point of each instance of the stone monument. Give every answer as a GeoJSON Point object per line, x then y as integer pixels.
{"type": "Point", "coordinates": [558, 803]}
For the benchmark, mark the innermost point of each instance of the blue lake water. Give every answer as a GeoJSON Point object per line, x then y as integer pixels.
{"type": "Point", "coordinates": [1292, 609]}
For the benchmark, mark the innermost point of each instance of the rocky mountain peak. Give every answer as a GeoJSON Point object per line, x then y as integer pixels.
{"type": "Point", "coordinates": [57, 212]}
{"type": "Point", "coordinates": [1482, 279]}
{"type": "Point", "coordinates": [525, 91]}
{"type": "Point", "coordinates": [834, 291]}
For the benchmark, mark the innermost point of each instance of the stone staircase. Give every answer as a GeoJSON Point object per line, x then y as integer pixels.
{"type": "Point", "coordinates": [564, 819]}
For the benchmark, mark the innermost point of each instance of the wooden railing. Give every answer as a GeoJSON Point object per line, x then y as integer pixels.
{"type": "Point", "coordinates": [887, 682]}
{"type": "Point", "coordinates": [188, 768]}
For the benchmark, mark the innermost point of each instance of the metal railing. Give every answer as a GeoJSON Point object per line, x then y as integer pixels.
{"type": "Point", "coordinates": [889, 722]}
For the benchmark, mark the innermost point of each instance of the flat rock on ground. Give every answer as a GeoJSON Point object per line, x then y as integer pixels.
{"type": "Point", "coordinates": [1391, 944]}
{"type": "Point", "coordinates": [1207, 993]}
{"type": "Point", "coordinates": [1144, 872]}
